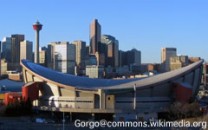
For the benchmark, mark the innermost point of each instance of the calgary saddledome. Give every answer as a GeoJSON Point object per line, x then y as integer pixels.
{"type": "Point", "coordinates": [54, 91]}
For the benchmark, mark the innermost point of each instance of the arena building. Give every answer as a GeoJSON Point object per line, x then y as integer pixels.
{"type": "Point", "coordinates": [127, 98]}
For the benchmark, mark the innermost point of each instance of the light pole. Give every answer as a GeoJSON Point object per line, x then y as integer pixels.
{"type": "Point", "coordinates": [63, 121]}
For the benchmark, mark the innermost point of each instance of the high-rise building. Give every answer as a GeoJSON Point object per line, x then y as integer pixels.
{"type": "Point", "coordinates": [131, 57]}
{"type": "Point", "coordinates": [120, 58]}
{"type": "Point", "coordinates": [26, 50]}
{"type": "Point", "coordinates": [177, 62]}
{"type": "Point", "coordinates": [50, 58]}
{"type": "Point", "coordinates": [62, 56]}
{"type": "Point", "coordinates": [15, 51]}
{"type": "Point", "coordinates": [95, 36]}
{"type": "Point", "coordinates": [87, 51]}
{"type": "Point", "coordinates": [100, 57]}
{"type": "Point", "coordinates": [111, 54]}
{"type": "Point", "coordinates": [6, 49]}
{"type": "Point", "coordinates": [94, 71]}
{"type": "Point", "coordinates": [166, 53]}
{"type": "Point", "coordinates": [80, 53]}
{"type": "Point", "coordinates": [71, 57]}
{"type": "Point", "coordinates": [43, 56]}
{"type": "Point", "coordinates": [3, 67]}
{"type": "Point", "coordinates": [134, 57]}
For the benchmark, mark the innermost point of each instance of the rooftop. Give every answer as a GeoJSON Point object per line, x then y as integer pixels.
{"type": "Point", "coordinates": [88, 83]}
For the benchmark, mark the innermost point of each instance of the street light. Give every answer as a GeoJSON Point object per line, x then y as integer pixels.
{"type": "Point", "coordinates": [63, 121]}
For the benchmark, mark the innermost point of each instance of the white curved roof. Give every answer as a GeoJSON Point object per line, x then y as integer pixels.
{"type": "Point", "coordinates": [88, 83]}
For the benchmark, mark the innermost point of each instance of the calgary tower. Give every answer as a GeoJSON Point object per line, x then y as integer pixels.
{"type": "Point", "coordinates": [37, 27]}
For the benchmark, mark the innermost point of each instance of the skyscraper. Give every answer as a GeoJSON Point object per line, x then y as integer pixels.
{"type": "Point", "coordinates": [62, 56]}
{"type": "Point", "coordinates": [166, 53]}
{"type": "Point", "coordinates": [43, 56]}
{"type": "Point", "coordinates": [50, 58]}
{"type": "Point", "coordinates": [120, 58]}
{"type": "Point", "coordinates": [26, 50]}
{"type": "Point", "coordinates": [95, 36]}
{"type": "Point", "coordinates": [80, 53]}
{"type": "Point", "coordinates": [6, 49]}
{"type": "Point", "coordinates": [111, 50]}
{"type": "Point", "coordinates": [15, 51]}
{"type": "Point", "coordinates": [134, 57]}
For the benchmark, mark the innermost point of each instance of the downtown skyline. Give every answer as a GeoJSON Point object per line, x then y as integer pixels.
{"type": "Point", "coordinates": [146, 25]}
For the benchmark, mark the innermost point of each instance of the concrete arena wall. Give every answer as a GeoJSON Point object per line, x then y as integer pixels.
{"type": "Point", "coordinates": [152, 98]}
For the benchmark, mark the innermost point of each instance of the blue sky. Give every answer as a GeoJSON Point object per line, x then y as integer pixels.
{"type": "Point", "coordinates": [147, 25]}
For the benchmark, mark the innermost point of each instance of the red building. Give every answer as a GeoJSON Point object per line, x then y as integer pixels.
{"type": "Point", "coordinates": [31, 90]}
{"type": "Point", "coordinates": [182, 92]}
{"type": "Point", "coordinates": [12, 97]}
